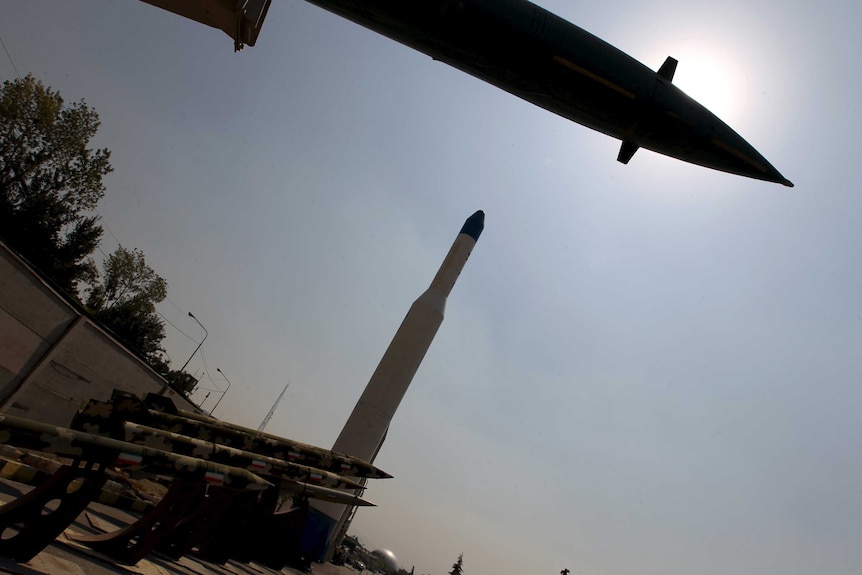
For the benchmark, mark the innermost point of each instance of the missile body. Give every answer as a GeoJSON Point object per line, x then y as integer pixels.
{"type": "Point", "coordinates": [275, 446]}
{"type": "Point", "coordinates": [73, 444]}
{"type": "Point", "coordinates": [365, 430]}
{"type": "Point", "coordinates": [107, 418]}
{"type": "Point", "coordinates": [366, 427]}
{"type": "Point", "coordinates": [322, 493]}
{"type": "Point", "coordinates": [535, 55]}
{"type": "Point", "coordinates": [241, 20]}
{"type": "Point", "coordinates": [262, 465]}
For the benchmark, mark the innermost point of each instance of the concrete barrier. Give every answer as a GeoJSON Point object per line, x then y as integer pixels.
{"type": "Point", "coordinates": [54, 358]}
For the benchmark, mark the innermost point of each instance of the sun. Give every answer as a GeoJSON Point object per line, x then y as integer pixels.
{"type": "Point", "coordinates": [711, 74]}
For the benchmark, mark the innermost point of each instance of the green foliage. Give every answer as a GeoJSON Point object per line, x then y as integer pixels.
{"type": "Point", "coordinates": [49, 180]}
{"type": "Point", "coordinates": [127, 279]}
{"type": "Point", "coordinates": [125, 301]}
{"type": "Point", "coordinates": [458, 567]}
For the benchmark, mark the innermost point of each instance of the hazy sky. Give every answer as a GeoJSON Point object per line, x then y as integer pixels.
{"type": "Point", "coordinates": [644, 369]}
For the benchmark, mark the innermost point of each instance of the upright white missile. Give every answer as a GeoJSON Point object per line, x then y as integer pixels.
{"type": "Point", "coordinates": [365, 430]}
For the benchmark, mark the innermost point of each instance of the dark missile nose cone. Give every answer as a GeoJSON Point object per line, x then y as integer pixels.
{"type": "Point", "coordinates": [728, 152]}
{"type": "Point", "coordinates": [474, 225]}
{"type": "Point", "coordinates": [682, 128]}
{"type": "Point", "coordinates": [731, 153]}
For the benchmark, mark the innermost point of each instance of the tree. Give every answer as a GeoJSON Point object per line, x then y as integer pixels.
{"type": "Point", "coordinates": [125, 302]}
{"type": "Point", "coordinates": [49, 180]}
{"type": "Point", "coordinates": [458, 567]}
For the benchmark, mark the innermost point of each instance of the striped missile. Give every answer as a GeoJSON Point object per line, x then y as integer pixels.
{"type": "Point", "coordinates": [106, 418]}
{"type": "Point", "coordinates": [299, 489]}
{"type": "Point", "coordinates": [73, 444]}
{"type": "Point", "coordinates": [275, 446]}
{"type": "Point", "coordinates": [262, 465]}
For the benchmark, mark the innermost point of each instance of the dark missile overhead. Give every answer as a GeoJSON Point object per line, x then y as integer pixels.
{"type": "Point", "coordinates": [539, 57]}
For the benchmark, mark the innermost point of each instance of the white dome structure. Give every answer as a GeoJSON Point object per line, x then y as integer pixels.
{"type": "Point", "coordinates": [388, 557]}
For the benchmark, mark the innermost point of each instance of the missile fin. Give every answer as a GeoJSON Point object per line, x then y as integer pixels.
{"type": "Point", "coordinates": [668, 69]}
{"type": "Point", "coordinates": [627, 150]}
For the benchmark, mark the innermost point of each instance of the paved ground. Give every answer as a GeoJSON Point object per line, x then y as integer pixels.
{"type": "Point", "coordinates": [65, 557]}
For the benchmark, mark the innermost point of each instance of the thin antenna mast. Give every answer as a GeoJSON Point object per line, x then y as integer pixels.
{"type": "Point", "coordinates": [272, 410]}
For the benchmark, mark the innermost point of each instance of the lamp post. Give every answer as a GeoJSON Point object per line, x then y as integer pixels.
{"type": "Point", "coordinates": [206, 333]}
{"type": "Point", "coordinates": [223, 394]}
{"type": "Point", "coordinates": [167, 384]}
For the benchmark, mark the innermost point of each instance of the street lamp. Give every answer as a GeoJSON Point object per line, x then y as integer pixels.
{"type": "Point", "coordinates": [206, 333]}
{"type": "Point", "coordinates": [223, 394]}
{"type": "Point", "coordinates": [167, 384]}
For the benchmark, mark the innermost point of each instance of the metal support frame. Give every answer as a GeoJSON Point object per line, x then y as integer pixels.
{"type": "Point", "coordinates": [133, 542]}
{"type": "Point", "coordinates": [35, 523]}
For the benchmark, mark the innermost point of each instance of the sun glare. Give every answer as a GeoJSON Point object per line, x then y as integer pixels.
{"type": "Point", "coordinates": [712, 75]}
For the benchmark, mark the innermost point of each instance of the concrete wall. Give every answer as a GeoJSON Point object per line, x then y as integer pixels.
{"type": "Point", "coordinates": [53, 358]}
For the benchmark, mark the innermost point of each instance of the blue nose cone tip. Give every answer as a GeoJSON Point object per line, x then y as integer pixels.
{"type": "Point", "coordinates": [474, 225]}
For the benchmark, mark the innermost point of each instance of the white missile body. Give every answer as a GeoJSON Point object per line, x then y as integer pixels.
{"type": "Point", "coordinates": [365, 430]}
